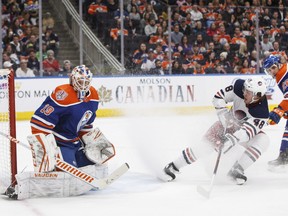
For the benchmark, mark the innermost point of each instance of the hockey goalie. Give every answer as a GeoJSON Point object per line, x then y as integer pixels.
{"type": "Point", "coordinates": [62, 130]}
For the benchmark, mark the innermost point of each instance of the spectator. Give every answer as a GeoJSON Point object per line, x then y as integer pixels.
{"type": "Point", "coordinates": [223, 36]}
{"type": "Point", "coordinates": [197, 55]}
{"type": "Point", "coordinates": [150, 10]}
{"type": "Point", "coordinates": [139, 55]}
{"type": "Point", "coordinates": [225, 63]}
{"type": "Point", "coordinates": [33, 63]}
{"type": "Point", "coordinates": [282, 38]}
{"type": "Point", "coordinates": [211, 30]}
{"type": "Point", "coordinates": [150, 28]}
{"type": "Point", "coordinates": [246, 68]}
{"type": "Point", "coordinates": [176, 35]}
{"type": "Point", "coordinates": [16, 45]}
{"type": "Point", "coordinates": [44, 51]}
{"type": "Point", "coordinates": [189, 63]}
{"type": "Point", "coordinates": [98, 13]}
{"type": "Point", "coordinates": [158, 52]}
{"type": "Point", "coordinates": [266, 45]}
{"type": "Point", "coordinates": [210, 15]}
{"type": "Point", "coordinates": [219, 69]}
{"type": "Point", "coordinates": [31, 44]}
{"type": "Point", "coordinates": [148, 62]}
{"type": "Point", "coordinates": [67, 68]}
{"type": "Point", "coordinates": [158, 37]}
{"type": "Point", "coordinates": [7, 65]}
{"type": "Point", "coordinates": [196, 15]}
{"type": "Point", "coordinates": [51, 66]}
{"type": "Point", "coordinates": [23, 70]}
{"type": "Point", "coordinates": [47, 22]}
{"type": "Point", "coordinates": [177, 67]}
{"type": "Point", "coordinates": [238, 37]}
{"type": "Point", "coordinates": [158, 70]}
{"type": "Point", "coordinates": [198, 69]}
{"type": "Point", "coordinates": [7, 59]}
{"type": "Point", "coordinates": [135, 18]}
{"type": "Point", "coordinates": [184, 27]}
{"type": "Point", "coordinates": [209, 65]}
{"type": "Point", "coordinates": [184, 46]}
{"type": "Point", "coordinates": [51, 40]}
{"type": "Point", "coordinates": [200, 43]}
{"type": "Point", "coordinates": [112, 5]}
{"type": "Point", "coordinates": [199, 29]}
{"type": "Point", "coordinates": [115, 38]}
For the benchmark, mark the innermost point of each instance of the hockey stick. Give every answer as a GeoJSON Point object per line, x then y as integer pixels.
{"type": "Point", "coordinates": [201, 189]}
{"type": "Point", "coordinates": [79, 174]}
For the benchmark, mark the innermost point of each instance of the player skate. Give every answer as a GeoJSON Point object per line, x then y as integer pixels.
{"type": "Point", "coordinates": [169, 172]}
{"type": "Point", "coordinates": [280, 162]}
{"type": "Point", "coordinates": [236, 174]}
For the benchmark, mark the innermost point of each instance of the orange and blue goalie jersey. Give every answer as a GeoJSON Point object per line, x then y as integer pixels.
{"type": "Point", "coordinates": [65, 116]}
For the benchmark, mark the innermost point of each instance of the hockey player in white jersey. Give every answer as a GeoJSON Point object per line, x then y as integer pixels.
{"type": "Point", "coordinates": [242, 124]}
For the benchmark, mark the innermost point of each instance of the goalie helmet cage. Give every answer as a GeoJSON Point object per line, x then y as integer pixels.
{"type": "Point", "coordinates": [8, 157]}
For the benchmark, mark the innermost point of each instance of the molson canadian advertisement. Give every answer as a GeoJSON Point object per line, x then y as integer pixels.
{"type": "Point", "coordinates": [143, 94]}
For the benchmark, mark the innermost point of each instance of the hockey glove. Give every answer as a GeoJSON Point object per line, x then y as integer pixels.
{"type": "Point", "coordinates": [276, 115]}
{"type": "Point", "coordinates": [229, 141]}
{"type": "Point", "coordinates": [225, 117]}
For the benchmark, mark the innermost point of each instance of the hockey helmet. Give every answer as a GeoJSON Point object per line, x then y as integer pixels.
{"type": "Point", "coordinates": [271, 60]}
{"type": "Point", "coordinates": [257, 86]}
{"type": "Point", "coordinates": [80, 79]}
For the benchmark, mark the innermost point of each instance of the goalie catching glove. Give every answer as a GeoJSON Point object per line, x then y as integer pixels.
{"type": "Point", "coordinates": [96, 147]}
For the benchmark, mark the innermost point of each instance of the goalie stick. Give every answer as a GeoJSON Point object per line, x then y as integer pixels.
{"type": "Point", "coordinates": [79, 174]}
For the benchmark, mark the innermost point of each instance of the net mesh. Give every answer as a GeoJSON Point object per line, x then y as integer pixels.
{"type": "Point", "coordinates": [5, 154]}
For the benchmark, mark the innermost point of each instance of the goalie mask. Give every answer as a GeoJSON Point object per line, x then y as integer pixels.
{"type": "Point", "coordinates": [80, 79]}
{"type": "Point", "coordinates": [257, 86]}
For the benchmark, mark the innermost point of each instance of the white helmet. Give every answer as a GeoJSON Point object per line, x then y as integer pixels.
{"type": "Point", "coordinates": [80, 79]}
{"type": "Point", "coordinates": [257, 85]}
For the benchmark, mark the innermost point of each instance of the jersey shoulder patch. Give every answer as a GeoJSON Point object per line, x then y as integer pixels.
{"type": "Point", "coordinates": [64, 95]}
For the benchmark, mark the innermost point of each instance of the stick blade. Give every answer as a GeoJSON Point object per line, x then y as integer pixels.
{"type": "Point", "coordinates": [114, 176]}
{"type": "Point", "coordinates": [201, 190]}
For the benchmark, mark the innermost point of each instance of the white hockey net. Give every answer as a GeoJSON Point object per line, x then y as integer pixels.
{"type": "Point", "coordinates": [8, 165]}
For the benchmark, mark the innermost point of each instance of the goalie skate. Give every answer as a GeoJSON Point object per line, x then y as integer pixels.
{"type": "Point", "coordinates": [11, 193]}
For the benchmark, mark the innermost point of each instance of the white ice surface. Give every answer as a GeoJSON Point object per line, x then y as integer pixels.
{"type": "Point", "coordinates": [147, 144]}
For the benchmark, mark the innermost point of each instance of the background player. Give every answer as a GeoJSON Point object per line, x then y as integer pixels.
{"type": "Point", "coordinates": [272, 66]}
{"type": "Point", "coordinates": [63, 127]}
{"type": "Point", "coordinates": [242, 124]}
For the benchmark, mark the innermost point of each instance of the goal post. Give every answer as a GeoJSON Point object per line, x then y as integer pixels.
{"type": "Point", "coordinates": [8, 156]}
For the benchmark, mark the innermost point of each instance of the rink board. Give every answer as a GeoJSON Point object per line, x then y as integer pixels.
{"type": "Point", "coordinates": [151, 95]}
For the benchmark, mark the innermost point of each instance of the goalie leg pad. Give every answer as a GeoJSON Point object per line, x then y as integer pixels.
{"type": "Point", "coordinates": [96, 147]}
{"type": "Point", "coordinates": [55, 184]}
{"type": "Point", "coordinates": [44, 152]}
